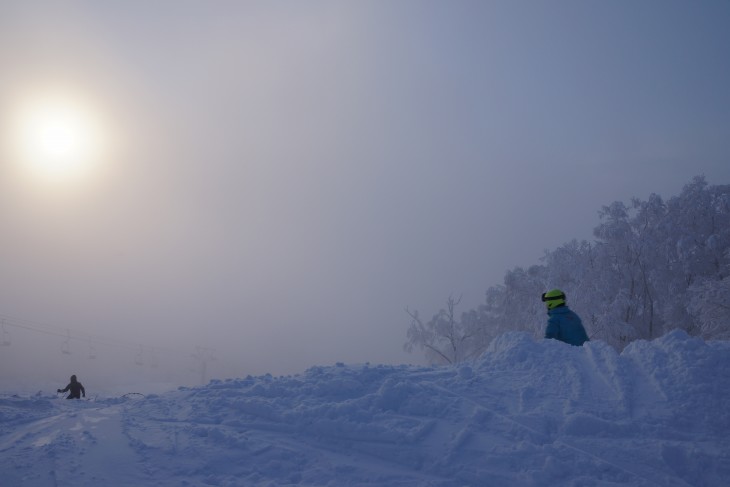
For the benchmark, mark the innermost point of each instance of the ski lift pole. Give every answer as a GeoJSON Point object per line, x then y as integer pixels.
{"type": "Point", "coordinates": [204, 355]}
{"type": "Point", "coordinates": [5, 335]}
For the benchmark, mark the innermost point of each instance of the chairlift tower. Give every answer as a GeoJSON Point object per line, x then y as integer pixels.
{"type": "Point", "coordinates": [204, 355]}
{"type": "Point", "coordinates": [5, 335]}
{"type": "Point", "coordinates": [139, 356]}
{"type": "Point", "coordinates": [66, 345]}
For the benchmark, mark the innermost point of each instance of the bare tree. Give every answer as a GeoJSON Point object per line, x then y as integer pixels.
{"type": "Point", "coordinates": [443, 337]}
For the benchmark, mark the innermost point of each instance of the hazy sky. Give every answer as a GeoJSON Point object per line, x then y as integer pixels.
{"type": "Point", "coordinates": [283, 179]}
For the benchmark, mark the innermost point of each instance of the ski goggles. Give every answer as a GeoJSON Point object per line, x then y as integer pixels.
{"type": "Point", "coordinates": [552, 298]}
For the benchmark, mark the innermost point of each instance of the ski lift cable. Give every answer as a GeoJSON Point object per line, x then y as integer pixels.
{"type": "Point", "coordinates": [65, 332]}
{"type": "Point", "coordinates": [71, 334]}
{"type": "Point", "coordinates": [144, 355]}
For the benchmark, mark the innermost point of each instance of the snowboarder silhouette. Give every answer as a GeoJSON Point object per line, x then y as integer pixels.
{"type": "Point", "coordinates": [77, 390]}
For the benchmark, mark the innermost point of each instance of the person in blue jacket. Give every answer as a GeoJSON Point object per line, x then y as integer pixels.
{"type": "Point", "coordinates": [563, 324]}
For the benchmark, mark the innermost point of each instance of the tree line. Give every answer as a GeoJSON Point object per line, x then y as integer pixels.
{"type": "Point", "coordinates": [653, 266]}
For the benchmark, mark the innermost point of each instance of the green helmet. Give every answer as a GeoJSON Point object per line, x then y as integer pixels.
{"type": "Point", "coordinates": [553, 298]}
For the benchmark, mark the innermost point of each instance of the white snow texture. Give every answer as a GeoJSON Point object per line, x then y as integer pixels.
{"type": "Point", "coordinates": [527, 413]}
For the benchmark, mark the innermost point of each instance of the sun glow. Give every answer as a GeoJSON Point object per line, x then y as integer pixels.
{"type": "Point", "coordinates": [58, 137]}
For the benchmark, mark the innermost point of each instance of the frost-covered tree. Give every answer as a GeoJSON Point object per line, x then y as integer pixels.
{"type": "Point", "coordinates": [709, 302]}
{"type": "Point", "coordinates": [625, 245]}
{"type": "Point", "coordinates": [443, 338]}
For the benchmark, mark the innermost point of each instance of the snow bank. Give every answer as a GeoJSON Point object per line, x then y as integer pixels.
{"type": "Point", "coordinates": [527, 413]}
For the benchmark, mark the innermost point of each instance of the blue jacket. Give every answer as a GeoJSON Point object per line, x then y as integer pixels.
{"type": "Point", "coordinates": [564, 325]}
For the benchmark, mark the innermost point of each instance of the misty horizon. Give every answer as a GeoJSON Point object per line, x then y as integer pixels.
{"type": "Point", "coordinates": [275, 183]}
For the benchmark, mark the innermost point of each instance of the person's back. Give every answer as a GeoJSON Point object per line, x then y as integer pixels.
{"type": "Point", "coordinates": [77, 390]}
{"type": "Point", "coordinates": [566, 326]}
{"type": "Point", "coordinates": [563, 324]}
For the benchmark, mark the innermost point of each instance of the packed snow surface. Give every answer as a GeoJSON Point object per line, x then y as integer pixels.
{"type": "Point", "coordinates": [527, 413]}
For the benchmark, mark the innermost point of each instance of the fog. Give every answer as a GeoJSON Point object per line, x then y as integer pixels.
{"type": "Point", "coordinates": [286, 178]}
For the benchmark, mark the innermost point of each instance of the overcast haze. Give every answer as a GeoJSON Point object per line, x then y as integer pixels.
{"type": "Point", "coordinates": [283, 179]}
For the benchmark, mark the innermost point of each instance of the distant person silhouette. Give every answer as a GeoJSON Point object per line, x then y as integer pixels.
{"type": "Point", "coordinates": [77, 390]}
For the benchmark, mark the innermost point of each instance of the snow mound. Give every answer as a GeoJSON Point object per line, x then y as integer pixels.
{"type": "Point", "coordinates": [527, 413]}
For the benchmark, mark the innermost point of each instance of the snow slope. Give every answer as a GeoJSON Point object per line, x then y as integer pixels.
{"type": "Point", "coordinates": [528, 413]}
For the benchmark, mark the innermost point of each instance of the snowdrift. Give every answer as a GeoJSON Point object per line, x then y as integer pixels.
{"type": "Point", "coordinates": [528, 413]}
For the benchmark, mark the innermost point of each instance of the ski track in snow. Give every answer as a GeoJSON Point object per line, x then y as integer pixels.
{"type": "Point", "coordinates": [527, 413]}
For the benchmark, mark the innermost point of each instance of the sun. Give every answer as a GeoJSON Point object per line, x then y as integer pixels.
{"type": "Point", "coordinates": [57, 137]}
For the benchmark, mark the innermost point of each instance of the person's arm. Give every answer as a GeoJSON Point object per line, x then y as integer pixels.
{"type": "Point", "coordinates": [66, 389]}
{"type": "Point", "coordinates": [83, 391]}
{"type": "Point", "coordinates": [553, 329]}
